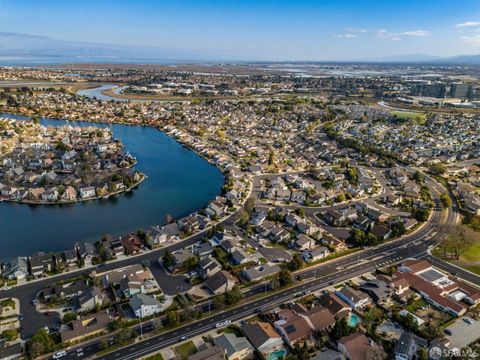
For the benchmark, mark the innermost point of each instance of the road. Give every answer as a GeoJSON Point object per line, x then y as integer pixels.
{"type": "Point", "coordinates": [412, 245]}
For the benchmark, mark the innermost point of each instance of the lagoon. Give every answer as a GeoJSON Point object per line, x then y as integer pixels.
{"type": "Point", "coordinates": [179, 182]}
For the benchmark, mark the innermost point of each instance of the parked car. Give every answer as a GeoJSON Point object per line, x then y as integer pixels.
{"type": "Point", "coordinates": [59, 354]}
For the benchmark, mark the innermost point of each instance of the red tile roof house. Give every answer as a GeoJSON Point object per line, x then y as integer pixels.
{"type": "Point", "coordinates": [443, 292]}
{"type": "Point", "coordinates": [355, 347]}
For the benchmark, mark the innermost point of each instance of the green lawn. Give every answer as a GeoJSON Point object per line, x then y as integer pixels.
{"type": "Point", "coordinates": [419, 118]}
{"type": "Point", "coordinates": [186, 349]}
{"type": "Point", "coordinates": [154, 357]}
{"type": "Point", "coordinates": [472, 254]}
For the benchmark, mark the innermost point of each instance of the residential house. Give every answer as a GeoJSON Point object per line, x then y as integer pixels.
{"type": "Point", "coordinates": [356, 299]}
{"type": "Point", "coordinates": [315, 254]}
{"type": "Point", "coordinates": [220, 282]}
{"type": "Point", "coordinates": [87, 192]}
{"type": "Point", "coordinates": [381, 232]}
{"type": "Point", "coordinates": [355, 347]}
{"type": "Point", "coordinates": [304, 242]}
{"type": "Point", "coordinates": [406, 347]}
{"type": "Point", "coordinates": [144, 305]}
{"type": "Point", "coordinates": [337, 307]}
{"type": "Point", "coordinates": [208, 266]}
{"type": "Point", "coordinates": [210, 353]}
{"type": "Point", "coordinates": [263, 337]}
{"type": "Point", "coordinates": [88, 326]}
{"type": "Point", "coordinates": [293, 328]}
{"type": "Point", "coordinates": [132, 244]}
{"type": "Point", "coordinates": [235, 348]}
{"type": "Point", "coordinates": [378, 290]}
{"type": "Point", "coordinates": [40, 263]}
{"type": "Point", "coordinates": [260, 272]}
{"type": "Point", "coordinates": [89, 299]}
{"type": "Point", "coordinates": [317, 317]}
{"type": "Point", "coordinates": [16, 269]}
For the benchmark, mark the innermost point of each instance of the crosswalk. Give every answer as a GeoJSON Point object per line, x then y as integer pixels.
{"type": "Point", "coordinates": [389, 261]}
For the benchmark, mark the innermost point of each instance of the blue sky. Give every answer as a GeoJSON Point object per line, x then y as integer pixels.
{"type": "Point", "coordinates": [258, 30]}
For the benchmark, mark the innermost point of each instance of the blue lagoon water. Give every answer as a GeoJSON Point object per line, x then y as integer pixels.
{"type": "Point", "coordinates": [179, 182]}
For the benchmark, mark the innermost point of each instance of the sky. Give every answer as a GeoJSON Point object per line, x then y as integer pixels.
{"type": "Point", "coordinates": [340, 30]}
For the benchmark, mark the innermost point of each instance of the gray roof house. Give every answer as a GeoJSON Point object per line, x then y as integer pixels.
{"type": "Point", "coordinates": [259, 272]}
{"type": "Point", "coordinates": [234, 347]}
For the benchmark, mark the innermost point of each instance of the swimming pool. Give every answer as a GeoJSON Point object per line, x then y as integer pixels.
{"type": "Point", "coordinates": [276, 354]}
{"type": "Point", "coordinates": [354, 320]}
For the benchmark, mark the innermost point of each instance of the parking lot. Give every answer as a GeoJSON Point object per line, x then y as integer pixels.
{"type": "Point", "coordinates": [463, 333]}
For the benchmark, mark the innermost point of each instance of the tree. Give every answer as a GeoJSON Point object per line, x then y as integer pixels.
{"type": "Point", "coordinates": [296, 263]}
{"type": "Point", "coordinates": [249, 205]}
{"type": "Point", "coordinates": [300, 212]}
{"type": "Point", "coordinates": [172, 318]}
{"type": "Point", "coordinates": [341, 198]}
{"type": "Point", "coordinates": [191, 263]}
{"type": "Point", "coordinates": [438, 169]}
{"type": "Point", "coordinates": [168, 259]}
{"type": "Point", "coordinates": [233, 296]}
{"type": "Point", "coordinates": [69, 316]}
{"type": "Point", "coordinates": [418, 176]}
{"type": "Point", "coordinates": [285, 278]}
{"type": "Point", "coordinates": [40, 343]}
{"type": "Point", "coordinates": [341, 329]}
{"type": "Point", "coordinates": [446, 200]}
{"type": "Point", "coordinates": [422, 354]}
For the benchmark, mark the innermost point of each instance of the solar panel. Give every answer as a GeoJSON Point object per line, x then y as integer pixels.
{"type": "Point", "coordinates": [431, 275]}
{"type": "Point", "coordinates": [290, 329]}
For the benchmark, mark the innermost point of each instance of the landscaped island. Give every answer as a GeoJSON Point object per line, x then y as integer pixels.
{"type": "Point", "coordinates": [49, 165]}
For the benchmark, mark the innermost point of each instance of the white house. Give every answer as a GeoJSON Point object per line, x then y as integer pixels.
{"type": "Point", "coordinates": [144, 305]}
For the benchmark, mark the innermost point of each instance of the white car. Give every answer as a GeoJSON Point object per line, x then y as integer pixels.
{"type": "Point", "coordinates": [7, 287]}
{"type": "Point", "coordinates": [227, 322]}
{"type": "Point", "coordinates": [59, 354]}
{"type": "Point", "coordinates": [218, 325]}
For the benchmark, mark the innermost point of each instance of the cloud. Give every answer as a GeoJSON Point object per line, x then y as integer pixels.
{"type": "Point", "coordinates": [356, 30]}
{"type": "Point", "coordinates": [473, 39]}
{"type": "Point", "coordinates": [346, 36]}
{"type": "Point", "coordinates": [468, 24]}
{"type": "Point", "coordinates": [384, 34]}
{"type": "Point", "coordinates": [418, 33]}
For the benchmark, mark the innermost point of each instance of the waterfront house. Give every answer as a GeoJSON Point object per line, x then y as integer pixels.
{"type": "Point", "coordinates": [235, 348]}
{"type": "Point", "coordinates": [144, 305]}
{"type": "Point", "coordinates": [86, 251]}
{"type": "Point", "coordinates": [132, 244]}
{"type": "Point", "coordinates": [87, 192]}
{"type": "Point", "coordinates": [35, 194]}
{"type": "Point", "coordinates": [50, 195]}
{"type": "Point", "coordinates": [16, 269]}
{"type": "Point", "coordinates": [70, 194]}
{"type": "Point", "coordinates": [40, 263]}
{"type": "Point", "coordinates": [263, 337]}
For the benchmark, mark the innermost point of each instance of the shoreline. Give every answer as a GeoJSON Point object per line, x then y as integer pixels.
{"type": "Point", "coordinates": [70, 202]}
